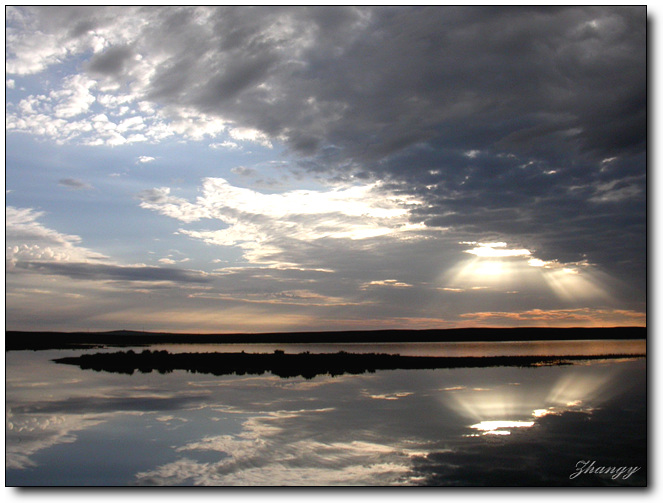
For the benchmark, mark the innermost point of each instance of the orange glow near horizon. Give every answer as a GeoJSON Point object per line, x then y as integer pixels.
{"type": "Point", "coordinates": [562, 318]}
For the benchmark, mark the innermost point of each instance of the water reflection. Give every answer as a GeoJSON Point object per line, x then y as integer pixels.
{"type": "Point", "coordinates": [575, 388]}
{"type": "Point", "coordinates": [268, 452]}
{"type": "Point", "coordinates": [500, 427]}
{"type": "Point", "coordinates": [449, 349]}
{"type": "Point", "coordinates": [388, 428]}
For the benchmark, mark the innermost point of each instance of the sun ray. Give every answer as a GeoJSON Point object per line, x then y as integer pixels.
{"type": "Point", "coordinates": [499, 267]}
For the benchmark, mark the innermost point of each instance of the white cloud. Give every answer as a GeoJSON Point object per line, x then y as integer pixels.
{"type": "Point", "coordinates": [193, 124]}
{"type": "Point", "coordinates": [41, 431]}
{"type": "Point", "coordinates": [143, 159]}
{"type": "Point", "coordinates": [175, 207]}
{"type": "Point", "coordinates": [258, 222]}
{"type": "Point", "coordinates": [35, 43]}
{"type": "Point", "coordinates": [265, 454]}
{"type": "Point", "coordinates": [496, 250]}
{"type": "Point", "coordinates": [27, 239]}
{"type": "Point", "coordinates": [37, 39]}
{"type": "Point", "coordinates": [64, 115]}
{"type": "Point", "coordinates": [33, 248]}
{"type": "Point", "coordinates": [229, 145]}
{"type": "Point", "coordinates": [170, 261]}
{"type": "Point", "coordinates": [248, 134]}
{"type": "Point", "coordinates": [132, 123]}
{"type": "Point", "coordinates": [74, 98]}
{"type": "Point", "coordinates": [33, 53]}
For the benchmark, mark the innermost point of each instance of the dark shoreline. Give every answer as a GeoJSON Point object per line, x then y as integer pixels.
{"type": "Point", "coordinates": [16, 340]}
{"type": "Point", "coordinates": [307, 365]}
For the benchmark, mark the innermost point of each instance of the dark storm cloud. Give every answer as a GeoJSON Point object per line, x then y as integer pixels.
{"type": "Point", "coordinates": [498, 118]}
{"type": "Point", "coordinates": [89, 271]}
{"type": "Point", "coordinates": [111, 61]}
{"type": "Point", "coordinates": [376, 81]}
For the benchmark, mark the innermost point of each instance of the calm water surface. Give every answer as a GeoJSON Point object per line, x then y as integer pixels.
{"type": "Point", "coordinates": [507, 348]}
{"type": "Point", "coordinates": [459, 427]}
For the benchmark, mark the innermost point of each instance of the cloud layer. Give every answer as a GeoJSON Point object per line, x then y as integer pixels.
{"type": "Point", "coordinates": [428, 127]}
{"type": "Point", "coordinates": [266, 226]}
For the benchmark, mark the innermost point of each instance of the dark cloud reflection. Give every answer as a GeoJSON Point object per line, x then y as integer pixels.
{"type": "Point", "coordinates": [548, 454]}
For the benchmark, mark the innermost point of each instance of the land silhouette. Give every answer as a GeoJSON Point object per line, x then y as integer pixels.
{"type": "Point", "coordinates": [307, 365]}
{"type": "Point", "coordinates": [17, 340]}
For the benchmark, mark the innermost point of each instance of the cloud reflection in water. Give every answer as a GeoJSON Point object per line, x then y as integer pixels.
{"type": "Point", "coordinates": [387, 428]}
{"type": "Point", "coordinates": [265, 453]}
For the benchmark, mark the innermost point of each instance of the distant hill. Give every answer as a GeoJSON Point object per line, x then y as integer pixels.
{"type": "Point", "coordinates": [16, 340]}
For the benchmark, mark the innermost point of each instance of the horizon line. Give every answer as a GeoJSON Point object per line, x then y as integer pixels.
{"type": "Point", "coordinates": [353, 330]}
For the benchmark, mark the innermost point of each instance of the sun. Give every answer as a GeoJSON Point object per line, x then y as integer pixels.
{"type": "Point", "coordinates": [497, 266]}
{"type": "Point", "coordinates": [492, 265]}
{"type": "Point", "coordinates": [489, 268]}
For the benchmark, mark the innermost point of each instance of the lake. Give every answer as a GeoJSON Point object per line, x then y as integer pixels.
{"type": "Point", "coordinates": [579, 424]}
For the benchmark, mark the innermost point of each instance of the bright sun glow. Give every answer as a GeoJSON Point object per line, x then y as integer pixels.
{"type": "Point", "coordinates": [487, 408]}
{"type": "Point", "coordinates": [497, 266]}
{"type": "Point", "coordinates": [496, 250]}
{"type": "Point", "coordinates": [497, 427]}
{"type": "Point", "coordinates": [494, 265]}
{"type": "Point", "coordinates": [490, 268]}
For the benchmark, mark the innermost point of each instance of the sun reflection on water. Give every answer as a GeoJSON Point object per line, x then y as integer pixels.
{"type": "Point", "coordinates": [498, 410]}
{"type": "Point", "coordinates": [497, 427]}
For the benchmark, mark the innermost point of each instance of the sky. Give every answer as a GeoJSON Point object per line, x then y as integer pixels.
{"type": "Point", "coordinates": [270, 169]}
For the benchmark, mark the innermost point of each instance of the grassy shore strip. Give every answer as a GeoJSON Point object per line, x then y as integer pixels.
{"type": "Point", "coordinates": [305, 364]}
{"type": "Point", "coordinates": [79, 340]}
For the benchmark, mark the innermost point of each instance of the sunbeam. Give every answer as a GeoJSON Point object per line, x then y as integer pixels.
{"type": "Point", "coordinates": [498, 267]}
